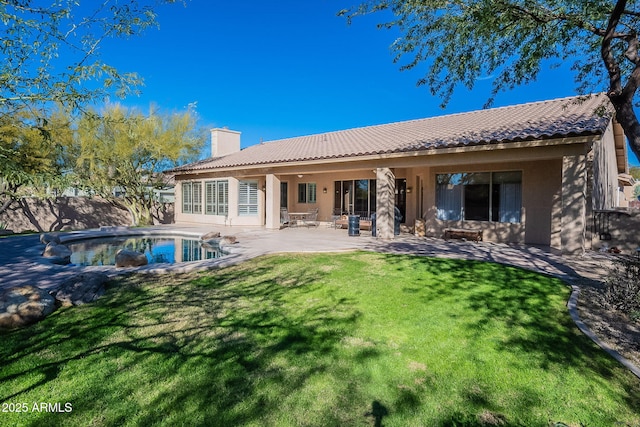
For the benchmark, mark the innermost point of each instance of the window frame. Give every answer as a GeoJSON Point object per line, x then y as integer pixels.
{"type": "Point", "coordinates": [307, 192]}
{"type": "Point", "coordinates": [248, 198]}
{"type": "Point", "coordinates": [217, 200]}
{"type": "Point", "coordinates": [456, 186]}
{"type": "Point", "coordinates": [192, 197]}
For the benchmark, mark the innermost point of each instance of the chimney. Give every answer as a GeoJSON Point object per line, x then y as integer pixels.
{"type": "Point", "coordinates": [224, 142]}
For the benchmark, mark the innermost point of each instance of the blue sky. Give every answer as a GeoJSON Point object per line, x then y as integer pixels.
{"type": "Point", "coordinates": [288, 68]}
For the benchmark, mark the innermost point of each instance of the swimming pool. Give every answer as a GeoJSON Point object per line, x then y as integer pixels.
{"type": "Point", "coordinates": [158, 249]}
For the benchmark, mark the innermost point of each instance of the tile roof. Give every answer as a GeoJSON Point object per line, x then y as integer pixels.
{"type": "Point", "coordinates": [573, 116]}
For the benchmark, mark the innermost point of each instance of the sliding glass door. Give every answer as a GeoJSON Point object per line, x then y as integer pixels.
{"type": "Point", "coordinates": [355, 197]}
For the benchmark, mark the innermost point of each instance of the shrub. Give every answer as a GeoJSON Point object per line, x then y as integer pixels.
{"type": "Point", "coordinates": [622, 290]}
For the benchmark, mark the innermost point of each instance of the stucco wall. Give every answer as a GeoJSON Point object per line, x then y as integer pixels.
{"type": "Point", "coordinates": [541, 186]}
{"type": "Point", "coordinates": [605, 172]}
{"type": "Point", "coordinates": [324, 200]}
{"type": "Point", "coordinates": [71, 213]}
{"type": "Point", "coordinates": [541, 199]}
{"type": "Point", "coordinates": [232, 218]}
{"type": "Point", "coordinates": [551, 214]}
{"type": "Point", "coordinates": [625, 232]}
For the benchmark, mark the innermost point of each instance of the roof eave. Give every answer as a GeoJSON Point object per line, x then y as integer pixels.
{"type": "Point", "coordinates": [565, 140]}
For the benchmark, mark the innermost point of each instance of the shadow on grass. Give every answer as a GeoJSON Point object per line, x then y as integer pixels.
{"type": "Point", "coordinates": [279, 341]}
{"type": "Point", "coordinates": [530, 311]}
{"type": "Point", "coordinates": [218, 349]}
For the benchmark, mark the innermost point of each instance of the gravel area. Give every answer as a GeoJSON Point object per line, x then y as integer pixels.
{"type": "Point", "coordinates": [615, 329]}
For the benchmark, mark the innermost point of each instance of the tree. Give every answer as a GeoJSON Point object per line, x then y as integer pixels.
{"type": "Point", "coordinates": [634, 171]}
{"type": "Point", "coordinates": [50, 53]}
{"type": "Point", "coordinates": [31, 156]}
{"type": "Point", "coordinates": [125, 151]}
{"type": "Point", "coordinates": [511, 40]}
{"type": "Point", "coordinates": [50, 58]}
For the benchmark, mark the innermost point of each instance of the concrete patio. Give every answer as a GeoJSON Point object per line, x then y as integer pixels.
{"type": "Point", "coordinates": [21, 263]}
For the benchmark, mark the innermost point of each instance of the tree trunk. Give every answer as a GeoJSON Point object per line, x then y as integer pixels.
{"type": "Point", "coordinates": [6, 204]}
{"type": "Point", "coordinates": [8, 195]}
{"type": "Point", "coordinates": [622, 96]}
{"type": "Point", "coordinates": [140, 212]}
{"type": "Point", "coordinates": [626, 116]}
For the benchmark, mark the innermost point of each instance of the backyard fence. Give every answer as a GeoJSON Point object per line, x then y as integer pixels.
{"type": "Point", "coordinates": [72, 213]}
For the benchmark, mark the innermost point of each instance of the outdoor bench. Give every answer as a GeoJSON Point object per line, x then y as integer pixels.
{"type": "Point", "coordinates": [365, 224]}
{"type": "Point", "coordinates": [463, 233]}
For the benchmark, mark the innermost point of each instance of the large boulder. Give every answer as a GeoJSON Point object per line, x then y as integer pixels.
{"type": "Point", "coordinates": [46, 238]}
{"type": "Point", "coordinates": [128, 258]}
{"type": "Point", "coordinates": [228, 240]}
{"type": "Point", "coordinates": [24, 305]}
{"type": "Point", "coordinates": [81, 289]}
{"type": "Point", "coordinates": [56, 253]}
{"type": "Point", "coordinates": [210, 236]}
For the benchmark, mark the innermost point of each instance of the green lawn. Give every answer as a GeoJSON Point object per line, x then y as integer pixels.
{"type": "Point", "coordinates": [350, 339]}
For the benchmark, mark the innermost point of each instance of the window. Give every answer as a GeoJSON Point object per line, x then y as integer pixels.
{"type": "Point", "coordinates": [449, 197]}
{"type": "Point", "coordinates": [356, 197]}
{"type": "Point", "coordinates": [307, 192]}
{"type": "Point", "coordinates": [248, 198]}
{"type": "Point", "coordinates": [495, 197]}
{"type": "Point", "coordinates": [192, 197]}
{"type": "Point", "coordinates": [216, 197]}
{"type": "Point", "coordinates": [186, 197]}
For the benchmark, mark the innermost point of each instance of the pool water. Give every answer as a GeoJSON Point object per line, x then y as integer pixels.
{"type": "Point", "coordinates": [158, 249]}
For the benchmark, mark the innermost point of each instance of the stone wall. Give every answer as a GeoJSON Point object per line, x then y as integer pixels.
{"type": "Point", "coordinates": [625, 232]}
{"type": "Point", "coordinates": [72, 213]}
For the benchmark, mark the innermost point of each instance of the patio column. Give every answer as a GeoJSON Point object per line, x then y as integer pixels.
{"type": "Point", "coordinates": [574, 205]}
{"type": "Point", "coordinates": [272, 202]}
{"type": "Point", "coordinates": [385, 202]}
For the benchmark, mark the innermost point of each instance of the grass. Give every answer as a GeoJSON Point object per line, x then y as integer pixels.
{"type": "Point", "coordinates": [320, 340]}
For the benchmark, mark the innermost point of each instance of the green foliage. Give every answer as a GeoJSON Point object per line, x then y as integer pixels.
{"type": "Point", "coordinates": [509, 41]}
{"type": "Point", "coordinates": [33, 152]}
{"type": "Point", "coordinates": [320, 340]}
{"type": "Point", "coordinates": [634, 171]}
{"type": "Point", "coordinates": [49, 53]}
{"type": "Point", "coordinates": [126, 151]}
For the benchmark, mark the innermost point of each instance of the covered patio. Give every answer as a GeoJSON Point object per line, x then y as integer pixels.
{"type": "Point", "coordinates": [527, 174]}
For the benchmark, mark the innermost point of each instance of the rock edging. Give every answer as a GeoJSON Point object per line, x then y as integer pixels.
{"type": "Point", "coordinates": [572, 305]}
{"type": "Point", "coordinates": [24, 305]}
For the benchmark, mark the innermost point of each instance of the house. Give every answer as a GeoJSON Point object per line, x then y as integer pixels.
{"type": "Point", "coordinates": [531, 173]}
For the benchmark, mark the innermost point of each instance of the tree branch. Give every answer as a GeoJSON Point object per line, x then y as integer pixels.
{"type": "Point", "coordinates": [612, 66]}
{"type": "Point", "coordinates": [632, 49]}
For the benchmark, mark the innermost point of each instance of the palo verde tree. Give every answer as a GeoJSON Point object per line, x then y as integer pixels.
{"type": "Point", "coordinates": [511, 40]}
{"type": "Point", "coordinates": [50, 60]}
{"type": "Point", "coordinates": [50, 50]}
{"type": "Point", "coordinates": [33, 157]}
{"type": "Point", "coordinates": [121, 154]}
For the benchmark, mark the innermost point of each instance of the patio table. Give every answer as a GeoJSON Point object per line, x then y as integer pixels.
{"type": "Point", "coordinates": [296, 217]}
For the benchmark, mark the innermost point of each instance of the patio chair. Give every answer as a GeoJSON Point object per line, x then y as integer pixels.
{"type": "Point", "coordinates": [284, 217]}
{"type": "Point", "coordinates": [312, 218]}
